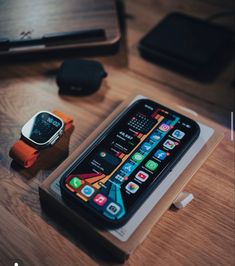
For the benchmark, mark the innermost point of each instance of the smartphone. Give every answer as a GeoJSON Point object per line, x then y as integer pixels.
{"type": "Point", "coordinates": [115, 175]}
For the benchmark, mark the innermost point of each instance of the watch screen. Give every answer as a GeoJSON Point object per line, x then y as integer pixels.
{"type": "Point", "coordinates": [42, 127]}
{"type": "Point", "coordinates": [132, 157]}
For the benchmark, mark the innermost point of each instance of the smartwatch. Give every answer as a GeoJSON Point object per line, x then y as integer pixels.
{"type": "Point", "coordinates": [40, 132]}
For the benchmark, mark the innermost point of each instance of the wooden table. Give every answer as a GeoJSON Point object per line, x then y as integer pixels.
{"type": "Point", "coordinates": [201, 234]}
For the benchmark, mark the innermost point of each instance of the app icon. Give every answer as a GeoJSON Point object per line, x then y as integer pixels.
{"type": "Point", "coordinates": [155, 136]}
{"type": "Point", "coordinates": [138, 157]}
{"type": "Point", "coordinates": [100, 199]}
{"type": "Point", "coordinates": [120, 178]}
{"type": "Point", "coordinates": [178, 134]}
{"type": "Point", "coordinates": [113, 208]}
{"type": "Point", "coordinates": [161, 155]}
{"type": "Point", "coordinates": [169, 144]}
{"type": "Point", "coordinates": [87, 191]}
{"type": "Point", "coordinates": [132, 187]}
{"type": "Point", "coordinates": [164, 127]}
{"type": "Point", "coordinates": [151, 165]}
{"type": "Point", "coordinates": [146, 146]}
{"type": "Point", "coordinates": [103, 154]}
{"type": "Point", "coordinates": [141, 176]}
{"type": "Point", "coordinates": [127, 167]}
{"type": "Point", "coordinates": [75, 182]}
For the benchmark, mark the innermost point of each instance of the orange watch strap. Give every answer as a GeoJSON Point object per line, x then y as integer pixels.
{"type": "Point", "coordinates": [68, 121]}
{"type": "Point", "coordinates": [23, 154]}
{"type": "Point", "coordinates": [26, 155]}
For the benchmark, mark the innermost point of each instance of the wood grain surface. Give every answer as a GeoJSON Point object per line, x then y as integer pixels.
{"type": "Point", "coordinates": [200, 234]}
{"type": "Point", "coordinates": [25, 21]}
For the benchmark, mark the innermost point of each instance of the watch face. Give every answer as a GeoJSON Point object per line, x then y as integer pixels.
{"type": "Point", "coordinates": [42, 127]}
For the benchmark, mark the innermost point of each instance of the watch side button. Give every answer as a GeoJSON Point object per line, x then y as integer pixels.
{"type": "Point", "coordinates": [54, 140]}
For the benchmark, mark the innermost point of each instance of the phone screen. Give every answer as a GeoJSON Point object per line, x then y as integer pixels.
{"type": "Point", "coordinates": [130, 160]}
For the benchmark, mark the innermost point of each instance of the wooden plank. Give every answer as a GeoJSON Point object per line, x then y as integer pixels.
{"type": "Point", "coordinates": [19, 244]}
{"type": "Point", "coordinates": [14, 182]}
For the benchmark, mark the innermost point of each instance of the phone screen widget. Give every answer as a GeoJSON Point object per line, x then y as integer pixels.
{"type": "Point", "coordinates": [105, 162]}
{"type": "Point", "coordinates": [100, 199]}
{"type": "Point", "coordinates": [161, 155]}
{"type": "Point", "coordinates": [124, 146]}
{"type": "Point", "coordinates": [132, 187]}
{"type": "Point", "coordinates": [164, 127]}
{"type": "Point", "coordinates": [125, 134]}
{"type": "Point", "coordinates": [87, 191]}
{"type": "Point", "coordinates": [125, 140]}
{"type": "Point", "coordinates": [109, 158]}
{"type": "Point", "coordinates": [113, 208]}
{"type": "Point", "coordinates": [146, 146]}
{"type": "Point", "coordinates": [141, 123]}
{"type": "Point", "coordinates": [178, 134]}
{"type": "Point", "coordinates": [138, 157]}
{"type": "Point", "coordinates": [75, 182]}
{"type": "Point", "coordinates": [151, 165]}
{"type": "Point", "coordinates": [142, 176]}
{"type": "Point", "coordinates": [169, 144]}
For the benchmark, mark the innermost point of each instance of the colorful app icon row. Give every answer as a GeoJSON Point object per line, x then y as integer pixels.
{"type": "Point", "coordinates": [177, 133]}
{"type": "Point", "coordinates": [112, 207]}
{"type": "Point", "coordinates": [87, 190]}
{"type": "Point", "coordinates": [133, 187]}
{"type": "Point", "coordinates": [99, 199]}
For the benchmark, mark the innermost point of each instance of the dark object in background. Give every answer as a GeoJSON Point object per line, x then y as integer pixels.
{"type": "Point", "coordinates": [188, 45]}
{"type": "Point", "coordinates": [80, 77]}
{"type": "Point", "coordinates": [86, 26]}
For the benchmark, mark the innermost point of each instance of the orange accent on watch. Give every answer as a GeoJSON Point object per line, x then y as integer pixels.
{"type": "Point", "coordinates": [26, 155]}
{"type": "Point", "coordinates": [68, 121]}
{"type": "Point", "coordinates": [23, 154]}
